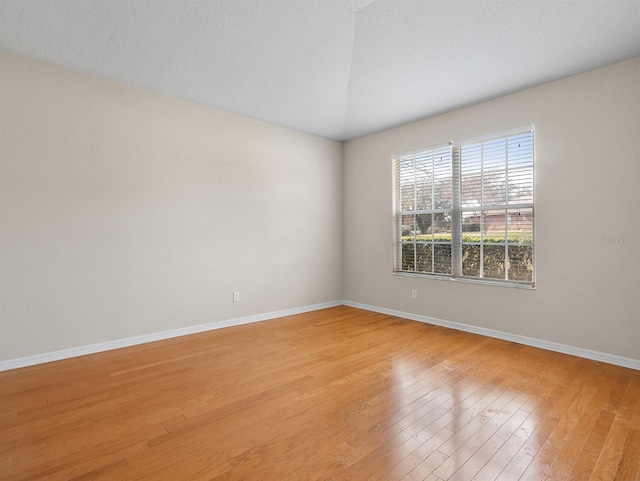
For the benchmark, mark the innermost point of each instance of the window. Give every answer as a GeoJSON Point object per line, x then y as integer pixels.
{"type": "Point", "coordinates": [464, 210]}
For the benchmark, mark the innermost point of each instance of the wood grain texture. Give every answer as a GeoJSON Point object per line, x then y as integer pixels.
{"type": "Point", "coordinates": [337, 394]}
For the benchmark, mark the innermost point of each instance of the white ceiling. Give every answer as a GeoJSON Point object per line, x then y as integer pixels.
{"type": "Point", "coordinates": [336, 68]}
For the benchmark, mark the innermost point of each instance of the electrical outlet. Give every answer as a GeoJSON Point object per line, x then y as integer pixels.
{"type": "Point", "coordinates": [414, 294]}
{"type": "Point", "coordinates": [236, 296]}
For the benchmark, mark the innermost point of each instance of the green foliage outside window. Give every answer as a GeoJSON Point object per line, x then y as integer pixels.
{"type": "Point", "coordinates": [428, 257]}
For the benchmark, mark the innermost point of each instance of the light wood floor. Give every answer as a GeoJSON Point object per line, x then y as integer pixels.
{"type": "Point", "coordinates": [337, 394]}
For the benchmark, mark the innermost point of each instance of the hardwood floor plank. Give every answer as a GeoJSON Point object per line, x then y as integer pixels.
{"type": "Point", "coordinates": [417, 458]}
{"type": "Point", "coordinates": [611, 455]}
{"type": "Point", "coordinates": [462, 447]}
{"type": "Point", "coordinates": [339, 394]}
{"type": "Point", "coordinates": [554, 432]}
{"type": "Point", "coordinates": [472, 467]}
{"type": "Point", "coordinates": [506, 453]}
{"type": "Point", "coordinates": [586, 421]}
{"type": "Point", "coordinates": [588, 457]}
{"type": "Point", "coordinates": [107, 469]}
{"type": "Point", "coordinates": [426, 467]}
{"type": "Point", "coordinates": [630, 462]}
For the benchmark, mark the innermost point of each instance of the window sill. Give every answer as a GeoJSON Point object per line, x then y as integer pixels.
{"type": "Point", "coordinates": [467, 280]}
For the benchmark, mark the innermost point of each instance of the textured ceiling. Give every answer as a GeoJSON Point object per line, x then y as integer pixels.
{"type": "Point", "coordinates": [336, 68]}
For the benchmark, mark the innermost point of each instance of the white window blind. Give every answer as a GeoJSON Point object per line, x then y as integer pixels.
{"type": "Point", "coordinates": [465, 210]}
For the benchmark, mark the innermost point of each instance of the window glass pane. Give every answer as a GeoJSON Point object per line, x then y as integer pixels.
{"type": "Point", "coordinates": [494, 188]}
{"type": "Point", "coordinates": [494, 223]}
{"type": "Point", "coordinates": [494, 175]}
{"type": "Point", "coordinates": [520, 263]}
{"type": "Point", "coordinates": [471, 226]}
{"type": "Point", "coordinates": [520, 164]}
{"type": "Point", "coordinates": [471, 260]}
{"type": "Point", "coordinates": [408, 262]}
{"type": "Point", "coordinates": [494, 154]}
{"type": "Point", "coordinates": [520, 225]}
{"type": "Point", "coordinates": [406, 183]}
{"type": "Point", "coordinates": [471, 188]}
{"type": "Point", "coordinates": [407, 197]}
{"type": "Point", "coordinates": [408, 227]}
{"type": "Point", "coordinates": [424, 193]}
{"type": "Point", "coordinates": [442, 258]}
{"type": "Point", "coordinates": [441, 227]}
{"type": "Point", "coordinates": [521, 186]}
{"type": "Point", "coordinates": [424, 181]}
{"type": "Point", "coordinates": [423, 226]}
{"type": "Point", "coordinates": [442, 188]}
{"type": "Point", "coordinates": [471, 175]}
{"type": "Point", "coordinates": [424, 256]}
{"type": "Point", "coordinates": [493, 261]}
{"type": "Point", "coordinates": [520, 148]}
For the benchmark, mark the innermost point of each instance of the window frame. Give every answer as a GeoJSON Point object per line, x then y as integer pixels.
{"type": "Point", "coordinates": [456, 219]}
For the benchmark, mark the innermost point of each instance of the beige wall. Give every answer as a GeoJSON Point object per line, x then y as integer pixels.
{"type": "Point", "coordinates": [124, 212]}
{"type": "Point", "coordinates": [587, 168]}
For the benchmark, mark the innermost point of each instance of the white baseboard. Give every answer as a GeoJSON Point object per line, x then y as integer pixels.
{"type": "Point", "coordinates": [529, 341]}
{"type": "Point", "coordinates": [157, 336]}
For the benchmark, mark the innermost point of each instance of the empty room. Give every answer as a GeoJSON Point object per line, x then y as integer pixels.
{"type": "Point", "coordinates": [330, 240]}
